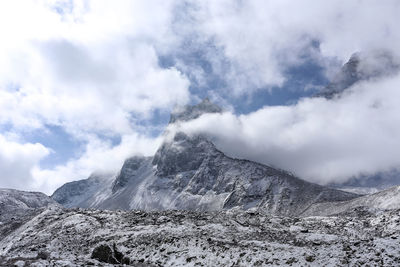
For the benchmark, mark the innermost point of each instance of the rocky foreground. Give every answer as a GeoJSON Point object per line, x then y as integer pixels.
{"type": "Point", "coordinates": [54, 236]}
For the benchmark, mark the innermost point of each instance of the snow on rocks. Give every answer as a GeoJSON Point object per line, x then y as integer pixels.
{"type": "Point", "coordinates": [62, 237]}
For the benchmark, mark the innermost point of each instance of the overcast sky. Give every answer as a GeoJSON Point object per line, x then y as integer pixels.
{"type": "Point", "coordinates": [85, 84]}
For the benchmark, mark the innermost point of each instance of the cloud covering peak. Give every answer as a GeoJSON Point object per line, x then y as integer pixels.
{"type": "Point", "coordinates": [318, 139]}
{"type": "Point", "coordinates": [108, 73]}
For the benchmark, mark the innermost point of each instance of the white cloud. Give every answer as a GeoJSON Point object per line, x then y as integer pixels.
{"type": "Point", "coordinates": [86, 70]}
{"type": "Point", "coordinates": [92, 68]}
{"type": "Point", "coordinates": [99, 156]}
{"type": "Point", "coordinates": [260, 39]}
{"type": "Point", "coordinates": [69, 88]}
{"type": "Point", "coordinates": [17, 162]}
{"type": "Point", "coordinates": [89, 67]}
{"type": "Point", "coordinates": [320, 140]}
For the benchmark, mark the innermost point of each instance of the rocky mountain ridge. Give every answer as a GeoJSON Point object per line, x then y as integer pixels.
{"type": "Point", "coordinates": [189, 173]}
{"type": "Point", "coordinates": [383, 200]}
{"type": "Point", "coordinates": [12, 200]}
{"type": "Point", "coordinates": [81, 193]}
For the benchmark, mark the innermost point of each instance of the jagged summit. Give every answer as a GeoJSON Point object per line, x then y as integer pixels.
{"type": "Point", "coordinates": [189, 112]}
{"type": "Point", "coordinates": [362, 66]}
{"type": "Point", "coordinates": [189, 173]}
{"type": "Point", "coordinates": [182, 154]}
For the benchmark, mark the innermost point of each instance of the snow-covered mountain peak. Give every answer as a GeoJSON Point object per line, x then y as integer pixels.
{"type": "Point", "coordinates": [190, 112]}
{"type": "Point", "coordinates": [183, 153]}
{"type": "Point", "coordinates": [188, 172]}
{"type": "Point", "coordinates": [362, 66]}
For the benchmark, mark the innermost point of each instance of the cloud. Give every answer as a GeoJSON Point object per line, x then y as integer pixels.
{"type": "Point", "coordinates": [253, 43]}
{"type": "Point", "coordinates": [79, 92]}
{"type": "Point", "coordinates": [100, 156]}
{"type": "Point", "coordinates": [17, 162]}
{"type": "Point", "coordinates": [93, 68]}
{"type": "Point", "coordinates": [320, 140]}
{"type": "Point", "coordinates": [90, 68]}
{"type": "Point", "coordinates": [72, 83]}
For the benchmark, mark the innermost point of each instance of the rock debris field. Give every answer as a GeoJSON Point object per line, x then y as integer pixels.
{"type": "Point", "coordinates": [79, 237]}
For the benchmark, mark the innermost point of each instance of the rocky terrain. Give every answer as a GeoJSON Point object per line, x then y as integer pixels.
{"type": "Point", "coordinates": [18, 207]}
{"type": "Point", "coordinates": [192, 205]}
{"type": "Point", "coordinates": [357, 232]}
{"type": "Point", "coordinates": [82, 237]}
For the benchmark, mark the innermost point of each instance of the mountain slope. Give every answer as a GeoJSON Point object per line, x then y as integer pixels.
{"type": "Point", "coordinates": [366, 184]}
{"type": "Point", "coordinates": [383, 200]}
{"type": "Point", "coordinates": [190, 173]}
{"type": "Point", "coordinates": [18, 207]}
{"type": "Point", "coordinates": [11, 200]}
{"type": "Point", "coordinates": [82, 193]}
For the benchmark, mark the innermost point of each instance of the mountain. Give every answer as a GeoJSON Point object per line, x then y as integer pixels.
{"type": "Point", "coordinates": [367, 184]}
{"type": "Point", "coordinates": [18, 207]}
{"type": "Point", "coordinates": [363, 66]}
{"type": "Point", "coordinates": [190, 173]}
{"type": "Point", "coordinates": [383, 200]}
{"type": "Point", "coordinates": [360, 67]}
{"type": "Point", "coordinates": [189, 112]}
{"type": "Point", "coordinates": [83, 193]}
{"type": "Point", "coordinates": [12, 200]}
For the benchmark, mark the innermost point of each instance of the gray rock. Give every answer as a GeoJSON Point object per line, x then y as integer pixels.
{"type": "Point", "coordinates": [82, 237]}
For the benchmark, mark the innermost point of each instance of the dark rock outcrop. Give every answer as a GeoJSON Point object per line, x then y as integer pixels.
{"type": "Point", "coordinates": [109, 254]}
